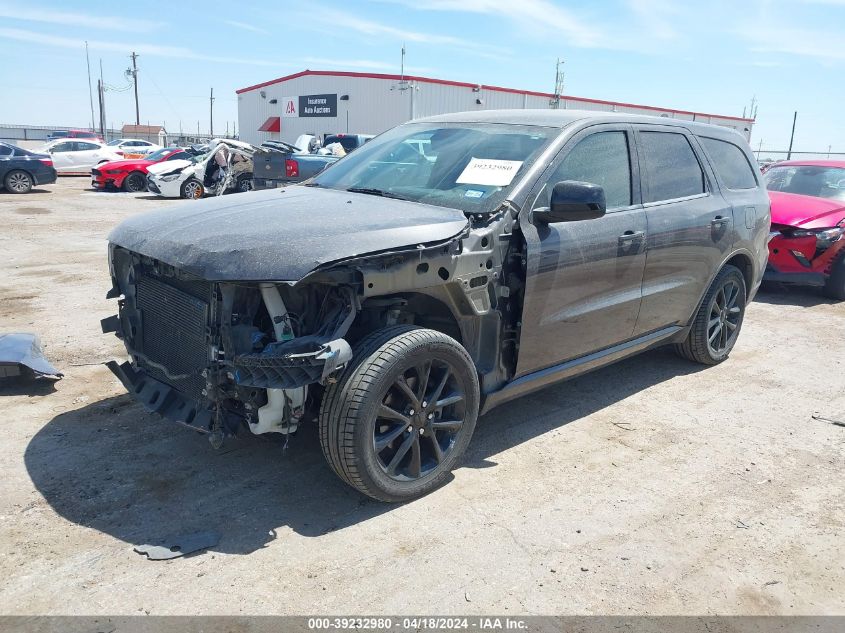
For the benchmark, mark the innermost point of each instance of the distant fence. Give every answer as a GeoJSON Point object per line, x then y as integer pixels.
{"type": "Point", "coordinates": [39, 133]}
{"type": "Point", "coordinates": [14, 133]}
{"type": "Point", "coordinates": [777, 155]}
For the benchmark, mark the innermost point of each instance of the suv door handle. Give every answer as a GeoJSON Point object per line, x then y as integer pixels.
{"type": "Point", "coordinates": [719, 221]}
{"type": "Point", "coordinates": [630, 236]}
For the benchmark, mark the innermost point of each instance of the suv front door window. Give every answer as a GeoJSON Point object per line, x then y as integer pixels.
{"type": "Point", "coordinates": [584, 278]}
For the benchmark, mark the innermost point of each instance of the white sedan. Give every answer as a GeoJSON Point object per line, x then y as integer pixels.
{"type": "Point", "coordinates": [72, 155]}
{"type": "Point", "coordinates": [203, 175]}
{"type": "Point", "coordinates": [133, 146]}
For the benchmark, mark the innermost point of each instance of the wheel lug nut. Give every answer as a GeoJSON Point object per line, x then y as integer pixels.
{"type": "Point", "coordinates": [410, 429]}
{"type": "Point", "coordinates": [430, 416]}
{"type": "Point", "coordinates": [422, 431]}
{"type": "Point", "coordinates": [424, 404]}
{"type": "Point", "coordinates": [411, 412]}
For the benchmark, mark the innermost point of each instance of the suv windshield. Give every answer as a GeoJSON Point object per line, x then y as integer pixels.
{"type": "Point", "coordinates": [464, 166]}
{"type": "Point", "coordinates": [807, 180]}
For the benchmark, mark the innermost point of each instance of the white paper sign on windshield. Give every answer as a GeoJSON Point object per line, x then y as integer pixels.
{"type": "Point", "coordinates": [489, 171]}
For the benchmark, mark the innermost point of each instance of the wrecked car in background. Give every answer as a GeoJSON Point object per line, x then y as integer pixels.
{"type": "Point", "coordinates": [808, 224]}
{"type": "Point", "coordinates": [447, 266]}
{"type": "Point", "coordinates": [226, 166]}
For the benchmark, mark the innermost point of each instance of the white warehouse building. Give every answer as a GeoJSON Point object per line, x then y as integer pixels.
{"type": "Point", "coordinates": [327, 102]}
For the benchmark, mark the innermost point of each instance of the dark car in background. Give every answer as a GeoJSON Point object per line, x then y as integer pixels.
{"type": "Point", "coordinates": [349, 142]}
{"type": "Point", "coordinates": [21, 170]}
{"type": "Point", "coordinates": [85, 134]}
{"type": "Point", "coordinates": [447, 266]}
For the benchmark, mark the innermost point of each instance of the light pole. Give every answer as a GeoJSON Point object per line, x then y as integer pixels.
{"type": "Point", "coordinates": [346, 98]}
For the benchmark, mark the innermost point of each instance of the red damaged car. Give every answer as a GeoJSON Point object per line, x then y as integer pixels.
{"type": "Point", "coordinates": [808, 224]}
{"type": "Point", "coordinates": [131, 175]}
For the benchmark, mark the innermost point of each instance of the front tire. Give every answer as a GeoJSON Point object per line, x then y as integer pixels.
{"type": "Point", "coordinates": [402, 413]}
{"type": "Point", "coordinates": [718, 320]}
{"type": "Point", "coordinates": [134, 182]}
{"type": "Point", "coordinates": [18, 181]}
{"type": "Point", "coordinates": [192, 189]}
{"type": "Point", "coordinates": [244, 183]}
{"type": "Point", "coordinates": [834, 286]}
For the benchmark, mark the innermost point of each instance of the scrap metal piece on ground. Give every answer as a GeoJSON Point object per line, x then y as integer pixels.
{"type": "Point", "coordinates": [179, 546]}
{"type": "Point", "coordinates": [21, 355]}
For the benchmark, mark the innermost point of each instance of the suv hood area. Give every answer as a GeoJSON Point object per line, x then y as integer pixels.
{"type": "Point", "coordinates": [282, 234]}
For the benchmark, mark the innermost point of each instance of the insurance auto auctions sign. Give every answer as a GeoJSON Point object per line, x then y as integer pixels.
{"type": "Point", "coordinates": [318, 105]}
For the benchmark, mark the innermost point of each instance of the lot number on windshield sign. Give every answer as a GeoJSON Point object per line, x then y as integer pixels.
{"type": "Point", "coordinates": [488, 171]}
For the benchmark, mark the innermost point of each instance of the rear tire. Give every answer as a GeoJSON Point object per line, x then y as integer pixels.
{"type": "Point", "coordinates": [244, 183]}
{"type": "Point", "coordinates": [134, 182]}
{"type": "Point", "coordinates": [192, 189]}
{"type": "Point", "coordinates": [401, 414]}
{"type": "Point", "coordinates": [718, 320]}
{"type": "Point", "coordinates": [18, 181]}
{"type": "Point", "coordinates": [834, 287]}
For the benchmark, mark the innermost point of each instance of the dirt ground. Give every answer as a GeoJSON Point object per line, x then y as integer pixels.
{"type": "Point", "coordinates": [651, 487]}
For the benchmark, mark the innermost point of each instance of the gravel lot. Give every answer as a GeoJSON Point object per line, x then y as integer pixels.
{"type": "Point", "coordinates": [653, 486]}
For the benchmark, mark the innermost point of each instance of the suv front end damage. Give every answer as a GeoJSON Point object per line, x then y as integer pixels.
{"type": "Point", "coordinates": [213, 355]}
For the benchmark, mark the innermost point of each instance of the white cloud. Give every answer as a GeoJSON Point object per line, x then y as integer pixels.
{"type": "Point", "coordinates": [364, 64]}
{"type": "Point", "coordinates": [654, 16]}
{"type": "Point", "coordinates": [28, 13]}
{"type": "Point", "coordinates": [124, 47]}
{"type": "Point", "coordinates": [246, 27]}
{"type": "Point", "coordinates": [372, 28]}
{"type": "Point", "coordinates": [801, 42]}
{"type": "Point", "coordinates": [539, 15]}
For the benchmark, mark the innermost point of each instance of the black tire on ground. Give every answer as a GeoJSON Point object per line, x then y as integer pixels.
{"type": "Point", "coordinates": [834, 287]}
{"type": "Point", "coordinates": [18, 181]}
{"type": "Point", "coordinates": [192, 189]}
{"type": "Point", "coordinates": [135, 181]}
{"type": "Point", "coordinates": [718, 320]}
{"type": "Point", "coordinates": [401, 414]}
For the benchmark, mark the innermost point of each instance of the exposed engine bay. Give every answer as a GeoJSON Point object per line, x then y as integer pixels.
{"type": "Point", "coordinates": [223, 355]}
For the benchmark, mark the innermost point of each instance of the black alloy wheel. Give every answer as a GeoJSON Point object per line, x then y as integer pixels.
{"type": "Point", "coordinates": [419, 420]}
{"type": "Point", "coordinates": [401, 414]}
{"type": "Point", "coordinates": [725, 315]}
{"type": "Point", "coordinates": [135, 182]}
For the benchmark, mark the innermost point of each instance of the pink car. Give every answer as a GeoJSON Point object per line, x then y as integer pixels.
{"type": "Point", "coordinates": [808, 224]}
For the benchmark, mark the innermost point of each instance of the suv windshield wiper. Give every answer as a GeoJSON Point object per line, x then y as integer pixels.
{"type": "Point", "coordinates": [377, 192]}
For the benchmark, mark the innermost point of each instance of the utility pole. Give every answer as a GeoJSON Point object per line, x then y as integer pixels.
{"type": "Point", "coordinates": [102, 90]}
{"type": "Point", "coordinates": [792, 136]}
{"type": "Point", "coordinates": [90, 93]}
{"type": "Point", "coordinates": [211, 113]}
{"type": "Point", "coordinates": [555, 103]}
{"type": "Point", "coordinates": [134, 56]}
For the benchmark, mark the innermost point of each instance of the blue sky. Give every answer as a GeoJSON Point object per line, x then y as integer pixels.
{"type": "Point", "coordinates": [706, 56]}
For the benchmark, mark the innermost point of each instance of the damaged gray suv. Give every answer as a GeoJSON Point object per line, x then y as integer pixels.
{"type": "Point", "coordinates": [447, 266]}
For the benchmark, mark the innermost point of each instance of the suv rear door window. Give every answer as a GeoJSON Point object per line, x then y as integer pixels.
{"type": "Point", "coordinates": [672, 167]}
{"type": "Point", "coordinates": [730, 163]}
{"type": "Point", "coordinates": [602, 159]}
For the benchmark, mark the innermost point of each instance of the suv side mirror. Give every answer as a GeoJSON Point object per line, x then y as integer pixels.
{"type": "Point", "coordinates": [572, 200]}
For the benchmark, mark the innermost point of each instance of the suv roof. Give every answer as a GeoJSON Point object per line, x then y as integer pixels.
{"type": "Point", "coordinates": [564, 118]}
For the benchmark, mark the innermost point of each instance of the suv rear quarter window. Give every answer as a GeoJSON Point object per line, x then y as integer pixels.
{"type": "Point", "coordinates": [730, 162]}
{"type": "Point", "coordinates": [672, 168]}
